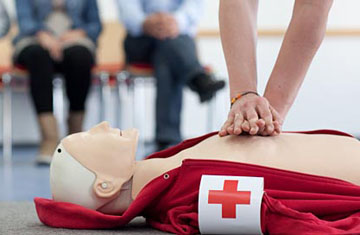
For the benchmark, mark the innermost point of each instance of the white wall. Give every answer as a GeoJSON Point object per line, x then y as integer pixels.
{"type": "Point", "coordinates": [328, 99]}
{"type": "Point", "coordinates": [272, 13]}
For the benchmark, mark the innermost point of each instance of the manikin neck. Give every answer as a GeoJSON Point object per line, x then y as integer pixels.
{"type": "Point", "coordinates": [129, 190]}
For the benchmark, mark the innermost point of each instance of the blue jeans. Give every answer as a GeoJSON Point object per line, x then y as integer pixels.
{"type": "Point", "coordinates": [175, 62]}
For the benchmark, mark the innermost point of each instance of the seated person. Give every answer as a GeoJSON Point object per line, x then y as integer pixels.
{"type": "Point", "coordinates": [96, 170]}
{"type": "Point", "coordinates": [57, 36]}
{"type": "Point", "coordinates": [4, 20]}
{"type": "Point", "coordinates": [162, 33]}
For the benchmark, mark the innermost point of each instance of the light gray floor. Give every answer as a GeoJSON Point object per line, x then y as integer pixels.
{"type": "Point", "coordinates": [20, 218]}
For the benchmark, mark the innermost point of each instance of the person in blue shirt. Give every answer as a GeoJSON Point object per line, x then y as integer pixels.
{"type": "Point", "coordinates": [162, 32]}
{"type": "Point", "coordinates": [4, 20]}
{"type": "Point", "coordinates": [57, 36]}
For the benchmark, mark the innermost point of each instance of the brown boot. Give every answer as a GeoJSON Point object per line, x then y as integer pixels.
{"type": "Point", "coordinates": [75, 122]}
{"type": "Point", "coordinates": [49, 138]}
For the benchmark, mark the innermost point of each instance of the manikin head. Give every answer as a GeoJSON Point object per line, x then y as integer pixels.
{"type": "Point", "coordinates": [93, 168]}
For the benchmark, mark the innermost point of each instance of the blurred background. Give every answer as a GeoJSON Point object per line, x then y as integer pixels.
{"type": "Point", "coordinates": [328, 99]}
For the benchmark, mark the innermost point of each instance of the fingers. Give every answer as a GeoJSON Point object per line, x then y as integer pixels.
{"type": "Point", "coordinates": [277, 129]}
{"type": "Point", "coordinates": [261, 124]}
{"type": "Point", "coordinates": [277, 121]}
{"type": "Point", "coordinates": [227, 124]}
{"type": "Point", "coordinates": [252, 117]}
{"type": "Point", "coordinates": [56, 53]}
{"type": "Point", "coordinates": [245, 126]}
{"type": "Point", "coordinates": [276, 115]}
{"type": "Point", "coordinates": [238, 121]}
{"type": "Point", "coordinates": [266, 114]}
{"type": "Point", "coordinates": [230, 130]}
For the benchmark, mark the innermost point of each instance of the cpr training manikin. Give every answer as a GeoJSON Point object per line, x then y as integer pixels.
{"type": "Point", "coordinates": [310, 183]}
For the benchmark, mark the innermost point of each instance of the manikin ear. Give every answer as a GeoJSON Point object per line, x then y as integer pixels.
{"type": "Point", "coordinates": [107, 187]}
{"type": "Point", "coordinates": [109, 183]}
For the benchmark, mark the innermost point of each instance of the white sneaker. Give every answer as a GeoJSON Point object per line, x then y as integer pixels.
{"type": "Point", "coordinates": [43, 160]}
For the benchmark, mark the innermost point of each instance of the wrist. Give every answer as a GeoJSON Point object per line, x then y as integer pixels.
{"type": "Point", "coordinates": [282, 107]}
{"type": "Point", "coordinates": [242, 94]}
{"type": "Point", "coordinates": [241, 89]}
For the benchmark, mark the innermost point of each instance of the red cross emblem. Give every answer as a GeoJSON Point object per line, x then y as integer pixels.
{"type": "Point", "coordinates": [229, 197]}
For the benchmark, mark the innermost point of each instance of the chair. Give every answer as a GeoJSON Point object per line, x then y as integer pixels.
{"type": "Point", "coordinates": [104, 78]}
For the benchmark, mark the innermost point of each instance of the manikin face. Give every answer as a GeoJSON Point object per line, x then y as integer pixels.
{"type": "Point", "coordinates": [90, 168]}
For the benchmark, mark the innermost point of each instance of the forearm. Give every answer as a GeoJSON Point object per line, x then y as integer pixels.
{"type": "Point", "coordinates": [237, 20]}
{"type": "Point", "coordinates": [302, 40]}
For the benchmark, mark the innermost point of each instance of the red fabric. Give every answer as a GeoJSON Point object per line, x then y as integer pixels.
{"type": "Point", "coordinates": [294, 203]}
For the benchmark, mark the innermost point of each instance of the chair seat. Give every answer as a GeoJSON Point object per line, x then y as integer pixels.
{"type": "Point", "coordinates": [110, 69]}
{"type": "Point", "coordinates": [140, 69]}
{"type": "Point", "coordinates": [5, 69]}
{"type": "Point", "coordinates": [19, 71]}
{"type": "Point", "coordinates": [146, 69]}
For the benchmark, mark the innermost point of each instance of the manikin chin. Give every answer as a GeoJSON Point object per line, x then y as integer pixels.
{"type": "Point", "coordinates": [94, 169]}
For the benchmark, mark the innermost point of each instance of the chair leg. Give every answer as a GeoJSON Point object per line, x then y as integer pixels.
{"type": "Point", "coordinates": [122, 95]}
{"type": "Point", "coordinates": [7, 119]}
{"type": "Point", "coordinates": [105, 96]}
{"type": "Point", "coordinates": [139, 112]}
{"type": "Point", "coordinates": [58, 99]}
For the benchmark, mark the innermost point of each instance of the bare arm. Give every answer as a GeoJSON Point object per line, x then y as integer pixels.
{"type": "Point", "coordinates": [238, 29]}
{"type": "Point", "coordinates": [238, 36]}
{"type": "Point", "coordinates": [302, 40]}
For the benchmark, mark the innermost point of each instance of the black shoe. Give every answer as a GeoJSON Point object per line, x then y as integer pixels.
{"type": "Point", "coordinates": [206, 86]}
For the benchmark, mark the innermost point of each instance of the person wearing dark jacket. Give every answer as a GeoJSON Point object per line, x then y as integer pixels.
{"type": "Point", "coordinates": [57, 36]}
{"type": "Point", "coordinates": [162, 33]}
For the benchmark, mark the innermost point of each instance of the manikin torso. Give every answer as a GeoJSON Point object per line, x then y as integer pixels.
{"type": "Point", "coordinates": [324, 155]}
{"type": "Point", "coordinates": [96, 169]}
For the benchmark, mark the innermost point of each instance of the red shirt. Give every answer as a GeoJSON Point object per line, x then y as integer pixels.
{"type": "Point", "coordinates": [293, 202]}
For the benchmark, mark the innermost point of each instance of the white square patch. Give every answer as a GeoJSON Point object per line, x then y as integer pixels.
{"type": "Point", "coordinates": [230, 204]}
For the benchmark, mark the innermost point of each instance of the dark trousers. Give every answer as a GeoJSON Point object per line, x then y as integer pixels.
{"type": "Point", "coordinates": [175, 62]}
{"type": "Point", "coordinates": [76, 67]}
